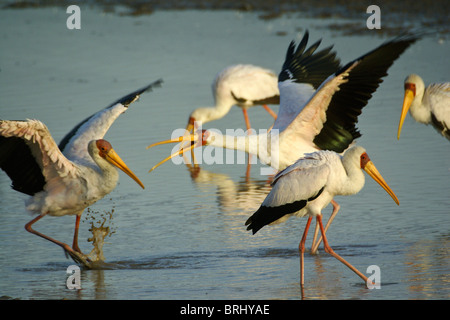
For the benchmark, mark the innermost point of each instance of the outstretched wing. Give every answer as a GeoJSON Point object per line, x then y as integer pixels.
{"type": "Point", "coordinates": [74, 144]}
{"type": "Point", "coordinates": [328, 120]}
{"type": "Point", "coordinates": [303, 71]}
{"type": "Point", "coordinates": [30, 156]}
{"type": "Point", "coordinates": [340, 130]}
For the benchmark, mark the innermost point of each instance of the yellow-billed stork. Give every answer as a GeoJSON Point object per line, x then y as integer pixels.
{"type": "Point", "coordinates": [243, 85]}
{"type": "Point", "coordinates": [428, 105]}
{"type": "Point", "coordinates": [65, 179]}
{"type": "Point", "coordinates": [313, 115]}
{"type": "Point", "coordinates": [306, 187]}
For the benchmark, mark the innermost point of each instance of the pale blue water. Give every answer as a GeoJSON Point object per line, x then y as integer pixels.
{"type": "Point", "coordinates": [184, 238]}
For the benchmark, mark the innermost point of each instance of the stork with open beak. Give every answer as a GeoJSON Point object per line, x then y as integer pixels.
{"type": "Point", "coordinates": [311, 117]}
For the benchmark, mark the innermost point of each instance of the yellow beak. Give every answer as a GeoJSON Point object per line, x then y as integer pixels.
{"type": "Point", "coordinates": [179, 139]}
{"type": "Point", "coordinates": [187, 137]}
{"type": "Point", "coordinates": [408, 99]}
{"type": "Point", "coordinates": [113, 158]}
{"type": "Point", "coordinates": [373, 172]}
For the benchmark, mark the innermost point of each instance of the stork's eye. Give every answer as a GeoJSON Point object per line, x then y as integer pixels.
{"type": "Point", "coordinates": [364, 159]}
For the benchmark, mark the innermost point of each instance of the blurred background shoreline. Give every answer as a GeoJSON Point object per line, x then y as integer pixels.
{"type": "Point", "coordinates": [430, 16]}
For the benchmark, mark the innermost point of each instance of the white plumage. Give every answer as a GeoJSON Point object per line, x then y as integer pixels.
{"type": "Point", "coordinates": [309, 185]}
{"type": "Point", "coordinates": [427, 105]}
{"type": "Point", "coordinates": [65, 179]}
{"type": "Point", "coordinates": [243, 85]}
{"type": "Point", "coordinates": [320, 102]}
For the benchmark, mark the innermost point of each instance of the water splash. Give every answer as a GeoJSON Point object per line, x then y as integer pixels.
{"type": "Point", "coordinates": [101, 228]}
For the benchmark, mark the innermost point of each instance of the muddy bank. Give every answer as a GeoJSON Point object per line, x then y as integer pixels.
{"type": "Point", "coordinates": [395, 15]}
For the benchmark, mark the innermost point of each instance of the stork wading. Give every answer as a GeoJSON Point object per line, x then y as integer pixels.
{"type": "Point", "coordinates": [65, 179]}
{"type": "Point", "coordinates": [319, 108]}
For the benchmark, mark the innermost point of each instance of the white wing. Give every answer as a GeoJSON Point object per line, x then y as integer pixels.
{"type": "Point", "coordinates": [292, 188]}
{"type": "Point", "coordinates": [293, 97]}
{"type": "Point", "coordinates": [328, 120]}
{"type": "Point", "coordinates": [74, 144]}
{"type": "Point", "coordinates": [311, 118]}
{"type": "Point", "coordinates": [93, 128]}
{"type": "Point", "coordinates": [303, 71]}
{"type": "Point", "coordinates": [301, 181]}
{"type": "Point", "coordinates": [42, 150]}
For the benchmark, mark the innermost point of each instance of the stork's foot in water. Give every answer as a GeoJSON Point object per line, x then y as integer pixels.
{"type": "Point", "coordinates": [79, 257]}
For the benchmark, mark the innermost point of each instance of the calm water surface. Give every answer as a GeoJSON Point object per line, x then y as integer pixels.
{"type": "Point", "coordinates": [183, 237]}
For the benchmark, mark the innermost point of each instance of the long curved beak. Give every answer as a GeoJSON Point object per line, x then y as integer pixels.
{"type": "Point", "coordinates": [181, 151]}
{"type": "Point", "coordinates": [407, 100]}
{"type": "Point", "coordinates": [373, 172]}
{"type": "Point", "coordinates": [187, 137]}
{"type": "Point", "coordinates": [113, 158]}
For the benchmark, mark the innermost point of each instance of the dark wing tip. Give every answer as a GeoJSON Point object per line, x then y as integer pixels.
{"type": "Point", "coordinates": [340, 130]}
{"type": "Point", "coordinates": [386, 53]}
{"type": "Point", "coordinates": [130, 98]}
{"type": "Point", "coordinates": [307, 65]}
{"type": "Point", "coordinates": [125, 101]}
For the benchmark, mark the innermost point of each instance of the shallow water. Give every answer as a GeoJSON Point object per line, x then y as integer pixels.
{"type": "Point", "coordinates": [183, 237]}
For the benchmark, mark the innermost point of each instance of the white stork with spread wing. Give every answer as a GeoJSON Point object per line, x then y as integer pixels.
{"type": "Point", "coordinates": [65, 179]}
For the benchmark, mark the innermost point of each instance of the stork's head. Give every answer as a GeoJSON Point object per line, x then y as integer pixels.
{"type": "Point", "coordinates": [103, 149]}
{"type": "Point", "coordinates": [358, 156]}
{"type": "Point", "coordinates": [414, 86]}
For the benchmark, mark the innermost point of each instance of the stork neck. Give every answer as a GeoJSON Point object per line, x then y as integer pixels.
{"type": "Point", "coordinates": [108, 173]}
{"type": "Point", "coordinates": [218, 111]}
{"type": "Point", "coordinates": [419, 109]}
{"type": "Point", "coordinates": [355, 178]}
{"type": "Point", "coordinates": [257, 144]}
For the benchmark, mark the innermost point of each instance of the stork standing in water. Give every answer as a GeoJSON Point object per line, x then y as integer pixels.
{"type": "Point", "coordinates": [308, 186]}
{"type": "Point", "coordinates": [428, 105]}
{"type": "Point", "coordinates": [65, 179]}
{"type": "Point", "coordinates": [312, 118]}
{"type": "Point", "coordinates": [243, 85]}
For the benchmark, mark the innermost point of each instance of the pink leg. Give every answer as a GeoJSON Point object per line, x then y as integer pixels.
{"type": "Point", "coordinates": [59, 243]}
{"type": "Point", "coordinates": [301, 248]}
{"type": "Point", "coordinates": [247, 121]}
{"type": "Point", "coordinates": [270, 111]}
{"type": "Point", "coordinates": [75, 235]}
{"type": "Point", "coordinates": [334, 254]}
{"type": "Point", "coordinates": [76, 256]}
{"type": "Point", "coordinates": [249, 156]}
{"type": "Point", "coordinates": [315, 245]}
